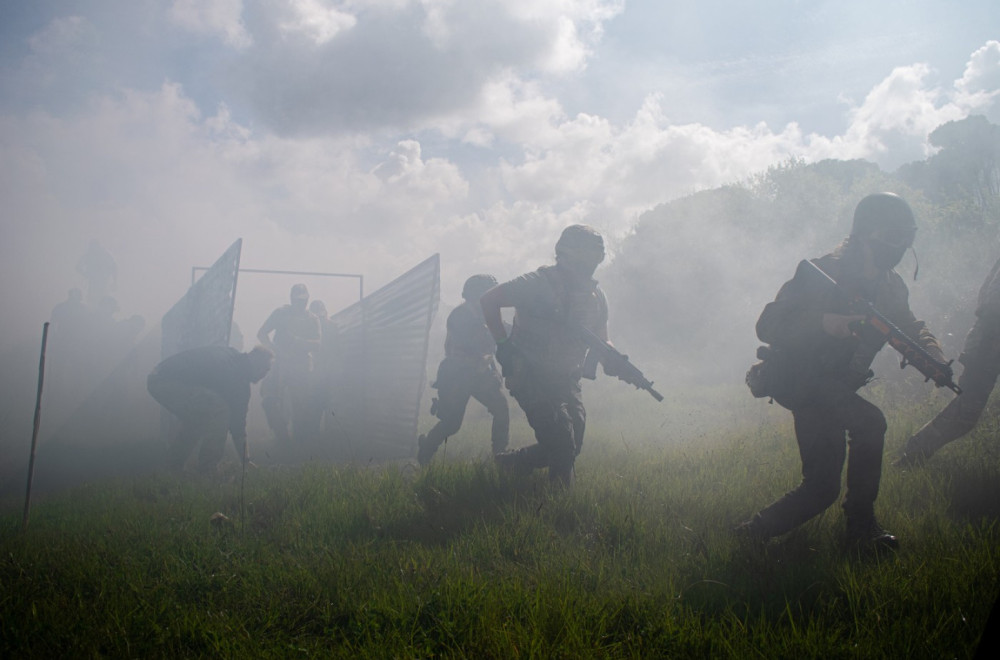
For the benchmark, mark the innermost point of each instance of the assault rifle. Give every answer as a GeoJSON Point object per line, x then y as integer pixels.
{"type": "Point", "coordinates": [876, 327]}
{"type": "Point", "coordinates": [602, 351]}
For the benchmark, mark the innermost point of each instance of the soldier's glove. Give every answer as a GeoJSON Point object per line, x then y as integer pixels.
{"type": "Point", "coordinates": [506, 352]}
{"type": "Point", "coordinates": [614, 366]}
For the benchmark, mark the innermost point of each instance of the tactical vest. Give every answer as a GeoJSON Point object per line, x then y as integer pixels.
{"type": "Point", "coordinates": [546, 325]}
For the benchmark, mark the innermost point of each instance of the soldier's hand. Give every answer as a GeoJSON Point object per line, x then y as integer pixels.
{"type": "Point", "coordinates": [505, 356]}
{"type": "Point", "coordinates": [613, 365]}
{"type": "Point", "coordinates": [839, 325]}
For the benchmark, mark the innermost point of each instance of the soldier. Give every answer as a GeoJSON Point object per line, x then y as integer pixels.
{"type": "Point", "coordinates": [296, 338]}
{"type": "Point", "coordinates": [467, 370]}
{"type": "Point", "coordinates": [820, 364]}
{"type": "Point", "coordinates": [981, 359]}
{"type": "Point", "coordinates": [208, 388]}
{"type": "Point", "coordinates": [543, 357]}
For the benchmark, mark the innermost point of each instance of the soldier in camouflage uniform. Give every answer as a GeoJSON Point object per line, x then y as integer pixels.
{"type": "Point", "coordinates": [981, 359]}
{"type": "Point", "coordinates": [467, 370]}
{"type": "Point", "coordinates": [820, 364]}
{"type": "Point", "coordinates": [543, 357]}
{"type": "Point", "coordinates": [288, 387]}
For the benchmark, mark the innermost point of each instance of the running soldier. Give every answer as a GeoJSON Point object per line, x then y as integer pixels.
{"type": "Point", "coordinates": [981, 359]}
{"type": "Point", "coordinates": [208, 388]}
{"type": "Point", "coordinates": [543, 357]}
{"type": "Point", "coordinates": [818, 364]}
{"type": "Point", "coordinates": [468, 370]}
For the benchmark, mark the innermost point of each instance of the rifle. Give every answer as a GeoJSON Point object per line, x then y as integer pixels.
{"type": "Point", "coordinates": [876, 327]}
{"type": "Point", "coordinates": [601, 350]}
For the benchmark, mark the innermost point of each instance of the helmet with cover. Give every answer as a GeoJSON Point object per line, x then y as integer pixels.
{"type": "Point", "coordinates": [580, 247]}
{"type": "Point", "coordinates": [886, 222]}
{"type": "Point", "coordinates": [477, 285]}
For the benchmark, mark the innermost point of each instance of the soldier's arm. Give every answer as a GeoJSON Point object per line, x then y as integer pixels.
{"type": "Point", "coordinates": [492, 302]}
{"type": "Point", "coordinates": [790, 318]}
{"type": "Point", "coordinates": [916, 329]}
{"type": "Point", "coordinates": [264, 334]}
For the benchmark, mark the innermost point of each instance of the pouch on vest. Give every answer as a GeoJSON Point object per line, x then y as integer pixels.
{"type": "Point", "coordinates": [764, 377]}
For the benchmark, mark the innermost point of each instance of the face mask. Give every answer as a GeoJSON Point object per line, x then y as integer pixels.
{"type": "Point", "coordinates": [886, 255]}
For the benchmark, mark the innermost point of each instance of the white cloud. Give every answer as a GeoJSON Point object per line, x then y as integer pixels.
{"type": "Point", "coordinates": [979, 86]}
{"type": "Point", "coordinates": [489, 169]}
{"type": "Point", "coordinates": [223, 18]}
{"type": "Point", "coordinates": [405, 65]}
{"type": "Point", "coordinates": [317, 21]}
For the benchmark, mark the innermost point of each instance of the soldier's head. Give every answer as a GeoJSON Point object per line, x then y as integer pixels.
{"type": "Point", "coordinates": [299, 296]}
{"type": "Point", "coordinates": [259, 362]}
{"type": "Point", "coordinates": [318, 308]}
{"type": "Point", "coordinates": [885, 222]}
{"type": "Point", "coordinates": [477, 285]}
{"type": "Point", "coordinates": [580, 249]}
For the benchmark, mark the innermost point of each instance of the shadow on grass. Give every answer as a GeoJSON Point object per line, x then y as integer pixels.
{"type": "Point", "coordinates": [974, 493]}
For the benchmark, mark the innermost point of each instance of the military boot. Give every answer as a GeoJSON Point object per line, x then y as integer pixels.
{"type": "Point", "coordinates": [425, 450]}
{"type": "Point", "coordinates": [866, 533]}
{"type": "Point", "coordinates": [512, 463]}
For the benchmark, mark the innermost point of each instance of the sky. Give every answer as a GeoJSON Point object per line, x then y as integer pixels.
{"type": "Point", "coordinates": [363, 136]}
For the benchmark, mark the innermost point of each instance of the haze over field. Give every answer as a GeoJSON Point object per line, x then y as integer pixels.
{"type": "Point", "coordinates": [362, 137]}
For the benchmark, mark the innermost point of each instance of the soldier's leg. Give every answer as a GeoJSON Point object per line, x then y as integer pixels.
{"type": "Point", "coordinates": [960, 415]}
{"type": "Point", "coordinates": [555, 447]}
{"type": "Point", "coordinates": [212, 431]}
{"type": "Point", "coordinates": [196, 408]}
{"type": "Point", "coordinates": [452, 401]}
{"type": "Point", "coordinates": [866, 428]}
{"type": "Point", "coordinates": [489, 393]}
{"type": "Point", "coordinates": [272, 400]}
{"type": "Point", "coordinates": [305, 423]}
{"type": "Point", "coordinates": [578, 417]}
{"type": "Point", "coordinates": [822, 450]}
{"type": "Point", "coordinates": [177, 398]}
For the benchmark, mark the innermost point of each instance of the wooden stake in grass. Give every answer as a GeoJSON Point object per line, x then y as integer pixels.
{"type": "Point", "coordinates": [37, 422]}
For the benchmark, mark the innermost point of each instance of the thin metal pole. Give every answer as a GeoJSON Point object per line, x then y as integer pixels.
{"type": "Point", "coordinates": [37, 423]}
{"type": "Point", "coordinates": [359, 277]}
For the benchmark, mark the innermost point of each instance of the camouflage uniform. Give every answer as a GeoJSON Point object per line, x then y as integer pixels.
{"type": "Point", "coordinates": [208, 388]}
{"type": "Point", "coordinates": [468, 370]}
{"type": "Point", "coordinates": [544, 377]}
{"type": "Point", "coordinates": [981, 359]}
{"type": "Point", "coordinates": [819, 380]}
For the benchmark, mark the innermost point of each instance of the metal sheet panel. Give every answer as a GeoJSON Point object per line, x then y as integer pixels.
{"type": "Point", "coordinates": [383, 342]}
{"type": "Point", "coordinates": [204, 315]}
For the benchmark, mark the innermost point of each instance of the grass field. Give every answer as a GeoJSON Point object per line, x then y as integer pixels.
{"type": "Point", "coordinates": [635, 560]}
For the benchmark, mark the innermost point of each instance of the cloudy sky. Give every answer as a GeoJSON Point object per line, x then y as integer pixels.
{"type": "Point", "coordinates": [362, 136]}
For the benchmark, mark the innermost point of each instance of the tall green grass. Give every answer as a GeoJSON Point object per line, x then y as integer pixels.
{"type": "Point", "coordinates": [636, 560]}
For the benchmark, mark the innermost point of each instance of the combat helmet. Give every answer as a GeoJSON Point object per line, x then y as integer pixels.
{"type": "Point", "coordinates": [580, 242]}
{"type": "Point", "coordinates": [887, 215]}
{"type": "Point", "coordinates": [885, 222]}
{"type": "Point", "coordinates": [477, 285]}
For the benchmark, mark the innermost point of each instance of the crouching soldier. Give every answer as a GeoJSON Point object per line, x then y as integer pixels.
{"type": "Point", "coordinates": [468, 370]}
{"type": "Point", "coordinates": [208, 389]}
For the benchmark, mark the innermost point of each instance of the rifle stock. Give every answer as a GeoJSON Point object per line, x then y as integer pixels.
{"type": "Point", "coordinates": [876, 323]}
{"type": "Point", "coordinates": [601, 350]}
